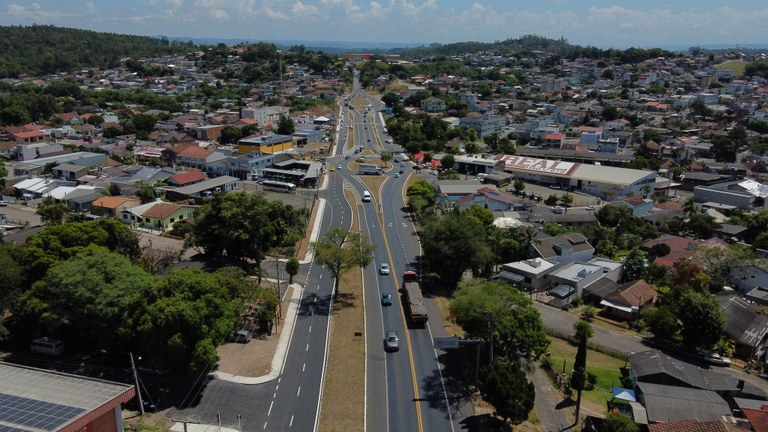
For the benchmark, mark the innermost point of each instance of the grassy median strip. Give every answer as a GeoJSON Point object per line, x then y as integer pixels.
{"type": "Point", "coordinates": [344, 392]}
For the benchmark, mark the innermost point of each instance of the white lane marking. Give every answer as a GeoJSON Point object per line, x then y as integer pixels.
{"type": "Point", "coordinates": [298, 391]}
{"type": "Point", "coordinates": [265, 425]}
{"type": "Point", "coordinates": [303, 367]}
{"type": "Point", "coordinates": [270, 408]}
{"type": "Point", "coordinates": [307, 349]}
{"type": "Point", "coordinates": [310, 329]}
{"type": "Point", "coordinates": [291, 424]}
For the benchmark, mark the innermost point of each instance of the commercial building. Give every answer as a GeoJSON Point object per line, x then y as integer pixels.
{"type": "Point", "coordinates": [595, 180]}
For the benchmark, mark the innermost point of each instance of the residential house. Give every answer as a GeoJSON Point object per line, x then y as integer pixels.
{"type": "Point", "coordinates": [747, 328]}
{"type": "Point", "coordinates": [565, 249]}
{"type": "Point", "coordinates": [187, 178]}
{"type": "Point", "coordinates": [529, 275]}
{"type": "Point", "coordinates": [69, 172]}
{"type": "Point", "coordinates": [112, 206]}
{"type": "Point", "coordinates": [665, 403]}
{"type": "Point", "coordinates": [758, 417]}
{"type": "Point", "coordinates": [637, 204]}
{"type": "Point", "coordinates": [81, 200]}
{"type": "Point", "coordinates": [432, 104]}
{"type": "Point", "coordinates": [156, 215]}
{"type": "Point", "coordinates": [210, 132]}
{"type": "Point", "coordinates": [680, 247]}
{"type": "Point", "coordinates": [758, 296]}
{"type": "Point", "coordinates": [488, 198]}
{"type": "Point", "coordinates": [198, 157]}
{"type": "Point", "coordinates": [577, 275]}
{"type": "Point", "coordinates": [693, 425]}
{"type": "Point", "coordinates": [628, 300]}
{"type": "Point", "coordinates": [454, 190]}
{"type": "Point", "coordinates": [37, 150]}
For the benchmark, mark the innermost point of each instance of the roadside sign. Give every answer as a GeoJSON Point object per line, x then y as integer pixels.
{"type": "Point", "coordinates": [446, 343]}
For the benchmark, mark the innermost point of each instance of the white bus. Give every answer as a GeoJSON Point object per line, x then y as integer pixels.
{"type": "Point", "coordinates": [278, 186]}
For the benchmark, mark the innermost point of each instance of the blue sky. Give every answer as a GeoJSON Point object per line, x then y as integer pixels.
{"type": "Point", "coordinates": [616, 23]}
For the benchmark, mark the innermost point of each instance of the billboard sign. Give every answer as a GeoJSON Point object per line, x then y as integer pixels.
{"type": "Point", "coordinates": [553, 167]}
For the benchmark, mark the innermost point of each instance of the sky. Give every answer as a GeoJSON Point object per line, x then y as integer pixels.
{"type": "Point", "coordinates": [612, 23]}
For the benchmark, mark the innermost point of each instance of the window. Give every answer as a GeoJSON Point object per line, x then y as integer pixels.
{"type": "Point", "coordinates": [172, 220]}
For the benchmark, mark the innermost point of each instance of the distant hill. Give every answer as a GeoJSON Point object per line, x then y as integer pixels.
{"type": "Point", "coordinates": [43, 49]}
{"type": "Point", "coordinates": [330, 47]}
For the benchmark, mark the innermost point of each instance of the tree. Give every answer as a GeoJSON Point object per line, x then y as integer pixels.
{"type": "Point", "coordinates": [481, 214]}
{"type": "Point", "coordinates": [504, 385]}
{"type": "Point", "coordinates": [486, 308]}
{"type": "Point", "coordinates": [286, 126]}
{"type": "Point", "coordinates": [385, 156]}
{"type": "Point", "coordinates": [634, 264]}
{"type": "Point", "coordinates": [11, 282]}
{"type": "Point", "coordinates": [245, 226]}
{"type": "Point", "coordinates": [292, 268]}
{"type": "Point", "coordinates": [583, 329]}
{"type": "Point", "coordinates": [618, 422]}
{"type": "Point", "coordinates": [341, 250]}
{"type": "Point", "coordinates": [519, 186]}
{"type": "Point", "coordinates": [579, 375]}
{"type": "Point", "coordinates": [51, 212]}
{"type": "Point", "coordinates": [231, 134]}
{"type": "Point", "coordinates": [455, 244]}
{"type": "Point", "coordinates": [84, 299]}
{"type": "Point", "coordinates": [610, 112]}
{"type": "Point", "coordinates": [703, 321]}
{"type": "Point", "coordinates": [661, 321]}
{"type": "Point", "coordinates": [113, 189]}
{"type": "Point", "coordinates": [447, 161]}
{"type": "Point", "coordinates": [180, 319]}
{"type": "Point", "coordinates": [147, 193]}
{"type": "Point", "coordinates": [3, 174]}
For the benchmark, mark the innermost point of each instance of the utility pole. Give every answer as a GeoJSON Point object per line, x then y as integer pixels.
{"type": "Point", "coordinates": [136, 380]}
{"type": "Point", "coordinates": [279, 296]}
{"type": "Point", "coordinates": [185, 423]}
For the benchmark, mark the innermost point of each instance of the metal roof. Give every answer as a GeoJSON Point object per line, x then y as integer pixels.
{"type": "Point", "coordinates": [35, 400]}
{"type": "Point", "coordinates": [205, 185]}
{"type": "Point", "coordinates": [667, 403]}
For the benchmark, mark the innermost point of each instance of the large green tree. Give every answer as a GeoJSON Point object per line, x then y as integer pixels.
{"type": "Point", "coordinates": [703, 321]}
{"type": "Point", "coordinates": [85, 299]}
{"type": "Point", "coordinates": [11, 282]}
{"type": "Point", "coordinates": [181, 319]}
{"type": "Point", "coordinates": [51, 212]}
{"type": "Point", "coordinates": [661, 321]}
{"type": "Point", "coordinates": [245, 226]}
{"type": "Point", "coordinates": [618, 422]}
{"type": "Point", "coordinates": [454, 244]}
{"type": "Point", "coordinates": [340, 250]}
{"type": "Point", "coordinates": [504, 385]}
{"type": "Point", "coordinates": [285, 126]}
{"type": "Point", "coordinates": [486, 309]}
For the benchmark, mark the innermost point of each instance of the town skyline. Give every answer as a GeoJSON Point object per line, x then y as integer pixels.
{"type": "Point", "coordinates": [605, 24]}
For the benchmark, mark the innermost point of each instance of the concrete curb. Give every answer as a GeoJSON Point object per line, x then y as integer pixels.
{"type": "Point", "coordinates": [281, 353]}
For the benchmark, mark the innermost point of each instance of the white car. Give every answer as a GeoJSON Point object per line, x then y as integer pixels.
{"type": "Point", "coordinates": [717, 359]}
{"type": "Point", "coordinates": [590, 208]}
{"type": "Point", "coordinates": [384, 269]}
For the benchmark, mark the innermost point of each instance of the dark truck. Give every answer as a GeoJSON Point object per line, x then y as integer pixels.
{"type": "Point", "coordinates": [413, 301]}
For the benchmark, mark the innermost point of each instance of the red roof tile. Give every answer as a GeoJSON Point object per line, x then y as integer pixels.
{"type": "Point", "coordinates": [635, 293]}
{"type": "Point", "coordinates": [188, 177]}
{"type": "Point", "coordinates": [757, 418]}
{"type": "Point", "coordinates": [195, 152]}
{"type": "Point", "coordinates": [161, 210]}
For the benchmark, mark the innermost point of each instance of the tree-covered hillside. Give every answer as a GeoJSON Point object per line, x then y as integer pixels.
{"type": "Point", "coordinates": [39, 50]}
{"type": "Point", "coordinates": [529, 43]}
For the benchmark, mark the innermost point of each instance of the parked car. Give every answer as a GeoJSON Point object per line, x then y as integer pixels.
{"type": "Point", "coordinates": [386, 299]}
{"type": "Point", "coordinates": [717, 359]}
{"type": "Point", "coordinates": [242, 336]}
{"type": "Point", "coordinates": [590, 208]}
{"type": "Point", "coordinates": [384, 269]}
{"type": "Point", "coordinates": [3, 203]}
{"type": "Point", "coordinates": [391, 341]}
{"type": "Point", "coordinates": [557, 210]}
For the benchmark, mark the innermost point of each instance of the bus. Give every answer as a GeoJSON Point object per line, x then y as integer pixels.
{"type": "Point", "coordinates": [278, 186]}
{"type": "Point", "coordinates": [413, 301]}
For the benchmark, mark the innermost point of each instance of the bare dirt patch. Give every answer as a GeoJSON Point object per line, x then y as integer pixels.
{"type": "Point", "coordinates": [344, 391]}
{"type": "Point", "coordinates": [254, 359]}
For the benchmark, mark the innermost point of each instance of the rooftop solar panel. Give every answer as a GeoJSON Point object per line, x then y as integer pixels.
{"type": "Point", "coordinates": [36, 414]}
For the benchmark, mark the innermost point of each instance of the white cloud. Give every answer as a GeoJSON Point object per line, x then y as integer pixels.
{"type": "Point", "coordinates": [174, 3]}
{"type": "Point", "coordinates": [301, 10]}
{"type": "Point", "coordinates": [220, 14]}
{"type": "Point", "coordinates": [35, 12]}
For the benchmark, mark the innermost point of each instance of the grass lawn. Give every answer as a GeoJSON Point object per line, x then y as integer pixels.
{"type": "Point", "coordinates": [737, 66]}
{"type": "Point", "coordinates": [604, 366]}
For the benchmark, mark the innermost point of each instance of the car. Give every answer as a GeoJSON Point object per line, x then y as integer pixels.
{"type": "Point", "coordinates": [716, 359]}
{"type": "Point", "coordinates": [401, 171]}
{"type": "Point", "coordinates": [3, 203]}
{"type": "Point", "coordinates": [346, 156]}
{"type": "Point", "coordinates": [386, 299]}
{"type": "Point", "coordinates": [590, 208]}
{"type": "Point", "coordinates": [397, 175]}
{"type": "Point", "coordinates": [242, 336]}
{"type": "Point", "coordinates": [384, 269]}
{"type": "Point", "coordinates": [338, 167]}
{"type": "Point", "coordinates": [391, 341]}
{"type": "Point", "coordinates": [558, 210]}
{"type": "Point", "coordinates": [332, 168]}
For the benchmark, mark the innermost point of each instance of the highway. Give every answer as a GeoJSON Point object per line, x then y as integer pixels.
{"type": "Point", "coordinates": [405, 390]}
{"type": "Point", "coordinates": [410, 382]}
